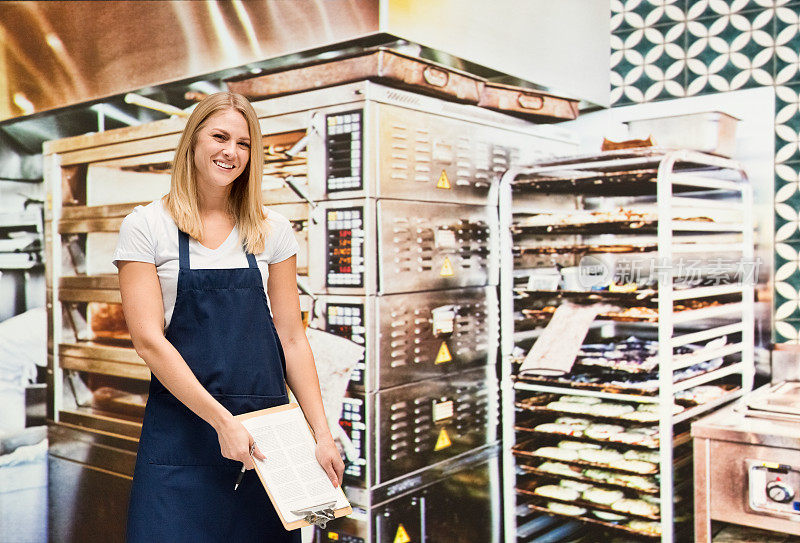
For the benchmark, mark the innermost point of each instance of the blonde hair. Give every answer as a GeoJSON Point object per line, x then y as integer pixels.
{"type": "Point", "coordinates": [245, 202]}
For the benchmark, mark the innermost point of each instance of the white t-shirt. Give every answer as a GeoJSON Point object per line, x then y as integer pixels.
{"type": "Point", "coordinates": [148, 234]}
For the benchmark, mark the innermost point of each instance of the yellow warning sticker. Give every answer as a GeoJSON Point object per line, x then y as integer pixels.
{"type": "Point", "coordinates": [443, 355]}
{"type": "Point", "coordinates": [444, 182]}
{"type": "Point", "coordinates": [401, 536]}
{"type": "Point", "coordinates": [443, 441]}
{"type": "Point", "coordinates": [447, 268]}
{"type": "Point", "coordinates": [333, 536]}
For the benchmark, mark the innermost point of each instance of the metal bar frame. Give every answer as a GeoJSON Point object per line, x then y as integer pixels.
{"type": "Point", "coordinates": [668, 246]}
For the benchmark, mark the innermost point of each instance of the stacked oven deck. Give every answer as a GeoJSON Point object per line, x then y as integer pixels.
{"type": "Point", "coordinates": [407, 266]}
{"type": "Point", "coordinates": [388, 194]}
{"type": "Point", "coordinates": [660, 243]}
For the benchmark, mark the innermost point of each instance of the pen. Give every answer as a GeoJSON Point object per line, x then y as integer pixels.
{"type": "Point", "coordinates": [241, 473]}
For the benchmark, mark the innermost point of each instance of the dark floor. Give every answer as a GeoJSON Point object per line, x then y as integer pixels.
{"type": "Point", "coordinates": [742, 534]}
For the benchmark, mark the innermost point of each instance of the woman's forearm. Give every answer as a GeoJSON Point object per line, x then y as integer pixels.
{"type": "Point", "coordinates": [171, 369]}
{"type": "Point", "coordinates": [302, 379]}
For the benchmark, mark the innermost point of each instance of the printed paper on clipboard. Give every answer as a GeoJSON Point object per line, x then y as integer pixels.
{"type": "Point", "coordinates": [296, 484]}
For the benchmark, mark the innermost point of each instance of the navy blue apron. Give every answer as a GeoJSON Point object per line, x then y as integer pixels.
{"type": "Point", "coordinates": [182, 485]}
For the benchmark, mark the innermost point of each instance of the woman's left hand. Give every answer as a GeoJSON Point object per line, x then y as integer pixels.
{"type": "Point", "coordinates": [330, 460]}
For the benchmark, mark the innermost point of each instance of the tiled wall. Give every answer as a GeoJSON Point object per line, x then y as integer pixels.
{"type": "Point", "coordinates": [664, 49]}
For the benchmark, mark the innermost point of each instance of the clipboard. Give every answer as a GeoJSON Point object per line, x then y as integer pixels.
{"type": "Point", "coordinates": [318, 514]}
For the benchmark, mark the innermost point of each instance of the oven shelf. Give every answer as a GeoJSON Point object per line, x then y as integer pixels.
{"type": "Point", "coordinates": [584, 504]}
{"type": "Point", "coordinates": [556, 476]}
{"type": "Point", "coordinates": [704, 408]}
{"type": "Point", "coordinates": [103, 359]}
{"type": "Point", "coordinates": [589, 520]}
{"type": "Point", "coordinates": [677, 441]}
{"type": "Point", "coordinates": [99, 421]}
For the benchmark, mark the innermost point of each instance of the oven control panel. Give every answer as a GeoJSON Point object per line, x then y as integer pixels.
{"type": "Point", "coordinates": [774, 488]}
{"type": "Point", "coordinates": [343, 146]}
{"type": "Point", "coordinates": [347, 320]}
{"type": "Point", "coordinates": [345, 246]}
{"type": "Point", "coordinates": [354, 423]}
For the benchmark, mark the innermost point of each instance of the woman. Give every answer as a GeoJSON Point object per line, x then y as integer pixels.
{"type": "Point", "coordinates": [195, 263]}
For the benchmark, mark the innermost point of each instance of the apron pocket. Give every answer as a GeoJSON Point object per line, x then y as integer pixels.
{"type": "Point", "coordinates": [178, 437]}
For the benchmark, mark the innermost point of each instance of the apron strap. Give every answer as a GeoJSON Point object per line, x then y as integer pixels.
{"type": "Point", "coordinates": [183, 252]}
{"type": "Point", "coordinates": [183, 249]}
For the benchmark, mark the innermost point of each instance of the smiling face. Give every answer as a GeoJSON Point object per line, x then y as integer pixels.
{"type": "Point", "coordinates": [221, 150]}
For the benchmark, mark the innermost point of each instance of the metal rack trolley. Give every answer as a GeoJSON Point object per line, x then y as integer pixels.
{"type": "Point", "coordinates": [681, 179]}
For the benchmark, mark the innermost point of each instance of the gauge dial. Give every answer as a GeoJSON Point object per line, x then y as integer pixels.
{"type": "Point", "coordinates": [779, 492]}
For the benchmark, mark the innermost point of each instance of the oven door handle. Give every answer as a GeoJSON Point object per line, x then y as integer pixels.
{"type": "Point", "coordinates": [300, 191]}
{"type": "Point", "coordinates": [295, 150]}
{"type": "Point", "coordinates": [302, 143]}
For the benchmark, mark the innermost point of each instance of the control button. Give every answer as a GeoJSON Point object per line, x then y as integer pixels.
{"type": "Point", "coordinates": [796, 506]}
{"type": "Point", "coordinates": [779, 492]}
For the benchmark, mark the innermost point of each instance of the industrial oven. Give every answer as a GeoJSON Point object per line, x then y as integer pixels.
{"type": "Point", "coordinates": [414, 336]}
{"type": "Point", "coordinates": [407, 428]}
{"type": "Point", "coordinates": [455, 501]}
{"type": "Point", "coordinates": [388, 193]}
{"type": "Point", "coordinates": [382, 246]}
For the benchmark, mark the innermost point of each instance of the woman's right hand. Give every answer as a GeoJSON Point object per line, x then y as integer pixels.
{"type": "Point", "coordinates": [235, 441]}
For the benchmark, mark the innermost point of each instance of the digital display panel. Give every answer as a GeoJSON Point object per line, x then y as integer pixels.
{"type": "Point", "coordinates": [347, 320]}
{"type": "Point", "coordinates": [345, 241]}
{"type": "Point", "coordinates": [344, 152]}
{"type": "Point", "coordinates": [353, 421]}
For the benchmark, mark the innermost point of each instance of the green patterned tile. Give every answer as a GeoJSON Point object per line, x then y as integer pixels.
{"type": "Point", "coordinates": [786, 331]}
{"type": "Point", "coordinates": [787, 41]}
{"type": "Point", "coordinates": [787, 281]}
{"type": "Point", "coordinates": [792, 177]}
{"type": "Point", "coordinates": [787, 260]}
{"type": "Point", "coordinates": [664, 73]}
{"type": "Point", "coordinates": [787, 182]}
{"type": "Point", "coordinates": [786, 150]}
{"type": "Point", "coordinates": [635, 14]}
{"type": "Point", "coordinates": [786, 220]}
{"type": "Point", "coordinates": [661, 12]}
{"type": "Point", "coordinates": [787, 99]}
{"type": "Point", "coordinates": [727, 53]}
{"type": "Point", "coordinates": [787, 136]}
{"type": "Point", "coordinates": [711, 8]}
{"type": "Point", "coordinates": [623, 71]}
{"type": "Point", "coordinates": [626, 16]}
{"type": "Point", "coordinates": [793, 122]}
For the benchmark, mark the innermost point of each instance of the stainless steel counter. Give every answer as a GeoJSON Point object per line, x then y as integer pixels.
{"type": "Point", "coordinates": [731, 424]}
{"type": "Point", "coordinates": [739, 461]}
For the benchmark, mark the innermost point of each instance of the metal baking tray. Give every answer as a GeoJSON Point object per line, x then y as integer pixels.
{"type": "Point", "coordinates": [584, 518]}
{"type": "Point", "coordinates": [584, 249]}
{"type": "Point", "coordinates": [614, 389]}
{"type": "Point", "coordinates": [610, 173]}
{"type": "Point", "coordinates": [380, 64]}
{"type": "Point", "coordinates": [528, 103]}
{"type": "Point", "coordinates": [605, 442]}
{"type": "Point", "coordinates": [527, 489]}
{"type": "Point", "coordinates": [538, 404]}
{"type": "Point", "coordinates": [782, 398]}
{"type": "Point", "coordinates": [526, 449]}
{"type": "Point", "coordinates": [707, 132]}
{"type": "Point", "coordinates": [531, 470]}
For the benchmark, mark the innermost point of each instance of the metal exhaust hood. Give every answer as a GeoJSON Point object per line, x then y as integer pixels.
{"type": "Point", "coordinates": [61, 53]}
